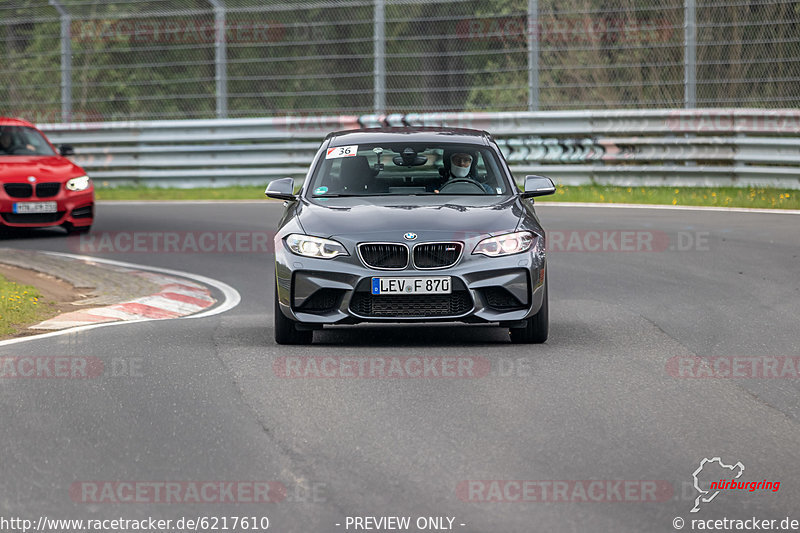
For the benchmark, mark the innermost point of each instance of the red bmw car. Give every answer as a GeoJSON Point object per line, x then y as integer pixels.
{"type": "Point", "coordinates": [39, 186]}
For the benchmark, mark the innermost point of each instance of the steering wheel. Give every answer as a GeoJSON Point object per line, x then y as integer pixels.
{"type": "Point", "coordinates": [19, 150]}
{"type": "Point", "coordinates": [468, 182]}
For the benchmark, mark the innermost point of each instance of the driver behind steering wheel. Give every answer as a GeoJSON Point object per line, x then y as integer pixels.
{"type": "Point", "coordinates": [460, 165]}
{"type": "Point", "coordinates": [9, 145]}
{"type": "Point", "coordinates": [6, 142]}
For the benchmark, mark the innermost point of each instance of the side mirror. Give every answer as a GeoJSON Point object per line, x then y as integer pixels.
{"type": "Point", "coordinates": [282, 189]}
{"type": "Point", "coordinates": [538, 186]}
{"type": "Point", "coordinates": [66, 149]}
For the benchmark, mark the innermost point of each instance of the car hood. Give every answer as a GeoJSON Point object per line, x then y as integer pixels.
{"type": "Point", "coordinates": [428, 216]}
{"type": "Point", "coordinates": [17, 168]}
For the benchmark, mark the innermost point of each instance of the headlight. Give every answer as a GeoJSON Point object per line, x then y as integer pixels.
{"type": "Point", "coordinates": [508, 244]}
{"type": "Point", "coordinates": [315, 246]}
{"type": "Point", "coordinates": [79, 184]}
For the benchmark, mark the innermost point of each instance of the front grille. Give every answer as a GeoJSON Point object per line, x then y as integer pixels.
{"type": "Point", "coordinates": [412, 305]}
{"type": "Point", "coordinates": [32, 218]}
{"type": "Point", "coordinates": [437, 254]}
{"type": "Point", "coordinates": [83, 212]}
{"type": "Point", "coordinates": [46, 190]}
{"type": "Point", "coordinates": [381, 255]}
{"type": "Point", "coordinates": [19, 190]}
{"type": "Point", "coordinates": [500, 299]}
{"type": "Point", "coordinates": [322, 301]}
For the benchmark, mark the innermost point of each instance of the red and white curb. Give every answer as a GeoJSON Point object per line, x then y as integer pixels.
{"type": "Point", "coordinates": [177, 297]}
{"type": "Point", "coordinates": [230, 298]}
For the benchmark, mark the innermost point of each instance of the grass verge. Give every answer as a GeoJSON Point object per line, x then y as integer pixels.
{"type": "Point", "coordinates": [202, 193]}
{"type": "Point", "coordinates": [696, 196]}
{"type": "Point", "coordinates": [20, 306]}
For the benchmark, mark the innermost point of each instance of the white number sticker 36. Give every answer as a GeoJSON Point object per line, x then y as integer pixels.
{"type": "Point", "coordinates": [342, 151]}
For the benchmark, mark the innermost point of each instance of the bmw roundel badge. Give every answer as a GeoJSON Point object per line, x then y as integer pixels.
{"type": "Point", "coordinates": [410, 236]}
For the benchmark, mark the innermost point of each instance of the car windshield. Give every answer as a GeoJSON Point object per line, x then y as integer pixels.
{"type": "Point", "coordinates": [21, 140]}
{"type": "Point", "coordinates": [408, 169]}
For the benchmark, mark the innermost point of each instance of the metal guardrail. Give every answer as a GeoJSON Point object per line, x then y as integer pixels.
{"type": "Point", "coordinates": [708, 147]}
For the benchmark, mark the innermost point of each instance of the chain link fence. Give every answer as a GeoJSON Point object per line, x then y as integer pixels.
{"type": "Point", "coordinates": [81, 60]}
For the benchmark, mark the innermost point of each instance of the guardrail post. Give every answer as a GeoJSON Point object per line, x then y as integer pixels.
{"type": "Point", "coordinates": [533, 55]}
{"type": "Point", "coordinates": [690, 54]}
{"type": "Point", "coordinates": [220, 58]}
{"type": "Point", "coordinates": [379, 70]}
{"type": "Point", "coordinates": [66, 61]}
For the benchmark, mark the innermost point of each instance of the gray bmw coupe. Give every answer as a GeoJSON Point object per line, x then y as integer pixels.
{"type": "Point", "coordinates": [410, 225]}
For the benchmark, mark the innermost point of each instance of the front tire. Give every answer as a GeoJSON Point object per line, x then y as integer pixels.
{"type": "Point", "coordinates": [536, 327]}
{"type": "Point", "coordinates": [285, 330]}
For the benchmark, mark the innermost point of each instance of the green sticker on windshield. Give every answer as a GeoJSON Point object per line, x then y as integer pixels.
{"type": "Point", "coordinates": [320, 190]}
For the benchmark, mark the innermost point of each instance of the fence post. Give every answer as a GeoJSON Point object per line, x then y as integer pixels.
{"type": "Point", "coordinates": [379, 70]}
{"type": "Point", "coordinates": [66, 61]}
{"type": "Point", "coordinates": [690, 54]}
{"type": "Point", "coordinates": [533, 55]}
{"type": "Point", "coordinates": [220, 58]}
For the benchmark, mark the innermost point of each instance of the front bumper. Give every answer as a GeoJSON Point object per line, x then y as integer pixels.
{"type": "Point", "coordinates": [502, 290]}
{"type": "Point", "coordinates": [73, 208]}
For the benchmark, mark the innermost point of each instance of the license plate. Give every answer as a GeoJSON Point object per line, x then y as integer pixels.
{"type": "Point", "coordinates": [439, 285]}
{"type": "Point", "coordinates": [35, 207]}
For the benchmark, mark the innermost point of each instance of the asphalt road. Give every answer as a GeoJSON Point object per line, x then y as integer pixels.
{"type": "Point", "coordinates": [597, 402]}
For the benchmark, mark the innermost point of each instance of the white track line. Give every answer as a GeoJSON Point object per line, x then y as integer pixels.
{"type": "Point", "coordinates": [674, 207]}
{"type": "Point", "coordinates": [186, 202]}
{"type": "Point", "coordinates": [231, 298]}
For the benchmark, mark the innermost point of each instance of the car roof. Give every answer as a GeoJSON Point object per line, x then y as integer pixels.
{"type": "Point", "coordinates": [7, 121]}
{"type": "Point", "coordinates": [409, 135]}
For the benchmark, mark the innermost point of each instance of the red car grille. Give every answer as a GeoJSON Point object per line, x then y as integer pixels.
{"type": "Point", "coordinates": [19, 190]}
{"type": "Point", "coordinates": [46, 190]}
